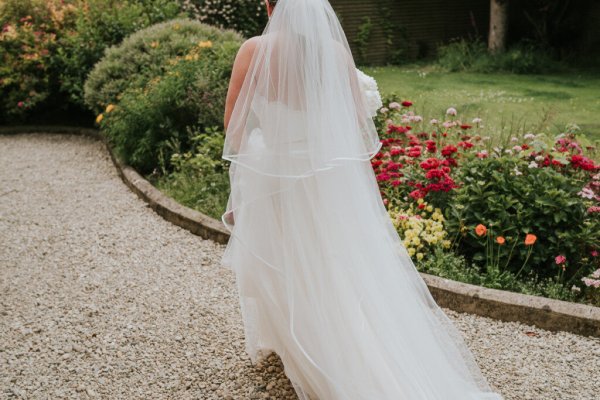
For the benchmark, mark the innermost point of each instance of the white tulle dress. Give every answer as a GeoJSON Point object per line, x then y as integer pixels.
{"type": "Point", "coordinates": [323, 277]}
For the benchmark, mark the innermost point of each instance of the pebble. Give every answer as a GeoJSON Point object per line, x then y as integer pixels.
{"type": "Point", "coordinates": [103, 298]}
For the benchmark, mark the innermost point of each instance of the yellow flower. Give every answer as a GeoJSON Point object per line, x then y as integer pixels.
{"type": "Point", "coordinates": [99, 118]}
{"type": "Point", "coordinates": [176, 26]}
{"type": "Point", "coordinates": [109, 108]}
{"type": "Point", "coordinates": [420, 200]}
{"type": "Point", "coordinates": [419, 256]}
{"type": "Point", "coordinates": [189, 57]}
{"type": "Point", "coordinates": [205, 44]}
{"type": "Point", "coordinates": [411, 252]}
{"type": "Point", "coordinates": [429, 208]}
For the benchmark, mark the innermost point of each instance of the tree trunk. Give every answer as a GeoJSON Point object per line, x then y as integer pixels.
{"type": "Point", "coordinates": [498, 25]}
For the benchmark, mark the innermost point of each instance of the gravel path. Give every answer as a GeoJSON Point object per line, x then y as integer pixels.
{"type": "Point", "coordinates": [102, 298]}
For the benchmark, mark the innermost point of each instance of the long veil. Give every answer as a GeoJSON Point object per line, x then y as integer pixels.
{"type": "Point", "coordinates": [323, 277]}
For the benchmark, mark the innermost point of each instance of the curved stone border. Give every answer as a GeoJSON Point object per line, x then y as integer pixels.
{"type": "Point", "coordinates": [549, 314]}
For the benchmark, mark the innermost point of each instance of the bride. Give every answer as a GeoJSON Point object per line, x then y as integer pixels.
{"type": "Point", "coordinates": [323, 277]}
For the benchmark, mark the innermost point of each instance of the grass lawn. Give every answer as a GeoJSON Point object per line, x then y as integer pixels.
{"type": "Point", "coordinates": [507, 103]}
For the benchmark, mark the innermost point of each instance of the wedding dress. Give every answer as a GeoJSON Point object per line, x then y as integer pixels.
{"type": "Point", "coordinates": [322, 275]}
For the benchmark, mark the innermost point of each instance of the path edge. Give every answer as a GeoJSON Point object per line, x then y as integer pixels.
{"type": "Point", "coordinates": [550, 314]}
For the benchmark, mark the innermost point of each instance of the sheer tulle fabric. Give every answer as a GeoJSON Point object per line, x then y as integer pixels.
{"type": "Point", "coordinates": [323, 278]}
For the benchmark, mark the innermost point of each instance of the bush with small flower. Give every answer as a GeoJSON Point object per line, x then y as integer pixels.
{"type": "Point", "coordinates": [182, 69]}
{"type": "Point", "coordinates": [48, 47]}
{"type": "Point", "coordinates": [516, 209]}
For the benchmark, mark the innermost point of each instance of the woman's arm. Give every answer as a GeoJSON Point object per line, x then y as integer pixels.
{"type": "Point", "coordinates": [238, 74]}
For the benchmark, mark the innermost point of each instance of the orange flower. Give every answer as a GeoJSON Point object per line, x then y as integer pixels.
{"type": "Point", "coordinates": [480, 230]}
{"type": "Point", "coordinates": [530, 239]}
{"type": "Point", "coordinates": [500, 240]}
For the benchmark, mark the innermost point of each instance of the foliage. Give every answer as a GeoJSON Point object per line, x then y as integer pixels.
{"type": "Point", "coordinates": [248, 17]}
{"type": "Point", "coordinates": [187, 91]}
{"type": "Point", "coordinates": [99, 24]}
{"type": "Point", "coordinates": [361, 41]}
{"type": "Point", "coordinates": [525, 57]}
{"type": "Point", "coordinates": [30, 33]}
{"type": "Point", "coordinates": [199, 178]}
{"type": "Point", "coordinates": [145, 55]}
{"type": "Point", "coordinates": [512, 197]}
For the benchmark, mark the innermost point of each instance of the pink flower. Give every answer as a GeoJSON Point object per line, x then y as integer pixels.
{"type": "Point", "coordinates": [589, 282]}
{"type": "Point", "coordinates": [594, 253]}
{"type": "Point", "coordinates": [560, 259]}
{"type": "Point", "coordinates": [451, 111]}
{"type": "Point", "coordinates": [20, 104]}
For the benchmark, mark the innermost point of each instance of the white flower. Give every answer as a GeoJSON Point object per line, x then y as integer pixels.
{"type": "Point", "coordinates": [514, 139]}
{"type": "Point", "coordinates": [477, 120]}
{"type": "Point", "coordinates": [451, 111]}
{"type": "Point", "coordinates": [369, 86]}
{"type": "Point", "coordinates": [383, 110]}
{"type": "Point", "coordinates": [508, 151]}
{"type": "Point", "coordinates": [434, 122]}
{"type": "Point", "coordinates": [533, 164]}
{"type": "Point", "coordinates": [517, 148]}
{"type": "Point", "coordinates": [517, 172]}
{"type": "Point", "coordinates": [395, 106]}
{"type": "Point", "coordinates": [416, 118]}
{"type": "Point", "coordinates": [539, 158]}
{"type": "Point", "coordinates": [529, 136]}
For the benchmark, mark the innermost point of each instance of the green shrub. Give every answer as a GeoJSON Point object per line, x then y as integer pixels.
{"type": "Point", "coordinates": [200, 177]}
{"type": "Point", "coordinates": [248, 17]}
{"type": "Point", "coordinates": [524, 57]}
{"type": "Point", "coordinates": [183, 69]}
{"type": "Point", "coordinates": [512, 199]}
{"type": "Point", "coordinates": [98, 25]}
{"type": "Point", "coordinates": [145, 55]}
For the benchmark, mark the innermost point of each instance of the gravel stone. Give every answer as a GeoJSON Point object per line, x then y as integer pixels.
{"type": "Point", "coordinates": [102, 298]}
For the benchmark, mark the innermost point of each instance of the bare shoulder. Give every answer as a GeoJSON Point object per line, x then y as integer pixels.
{"type": "Point", "coordinates": [248, 47]}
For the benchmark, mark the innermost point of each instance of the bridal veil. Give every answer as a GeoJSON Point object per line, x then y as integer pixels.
{"type": "Point", "coordinates": [322, 275]}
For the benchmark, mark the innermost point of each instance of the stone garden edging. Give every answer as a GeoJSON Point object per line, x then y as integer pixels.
{"type": "Point", "coordinates": [549, 314]}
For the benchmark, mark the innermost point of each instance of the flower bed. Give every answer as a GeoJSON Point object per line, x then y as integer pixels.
{"type": "Point", "coordinates": [521, 215]}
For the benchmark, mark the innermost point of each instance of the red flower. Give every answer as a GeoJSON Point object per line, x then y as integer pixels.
{"type": "Point", "coordinates": [448, 150]}
{"type": "Point", "coordinates": [406, 103]}
{"type": "Point", "coordinates": [465, 145]}
{"type": "Point", "coordinates": [414, 151]}
{"type": "Point", "coordinates": [430, 163]}
{"type": "Point", "coordinates": [383, 177]}
{"type": "Point", "coordinates": [417, 194]}
{"type": "Point", "coordinates": [392, 166]}
{"type": "Point", "coordinates": [394, 151]}
{"type": "Point", "coordinates": [434, 173]}
{"type": "Point", "coordinates": [398, 129]}
{"type": "Point", "coordinates": [465, 126]}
